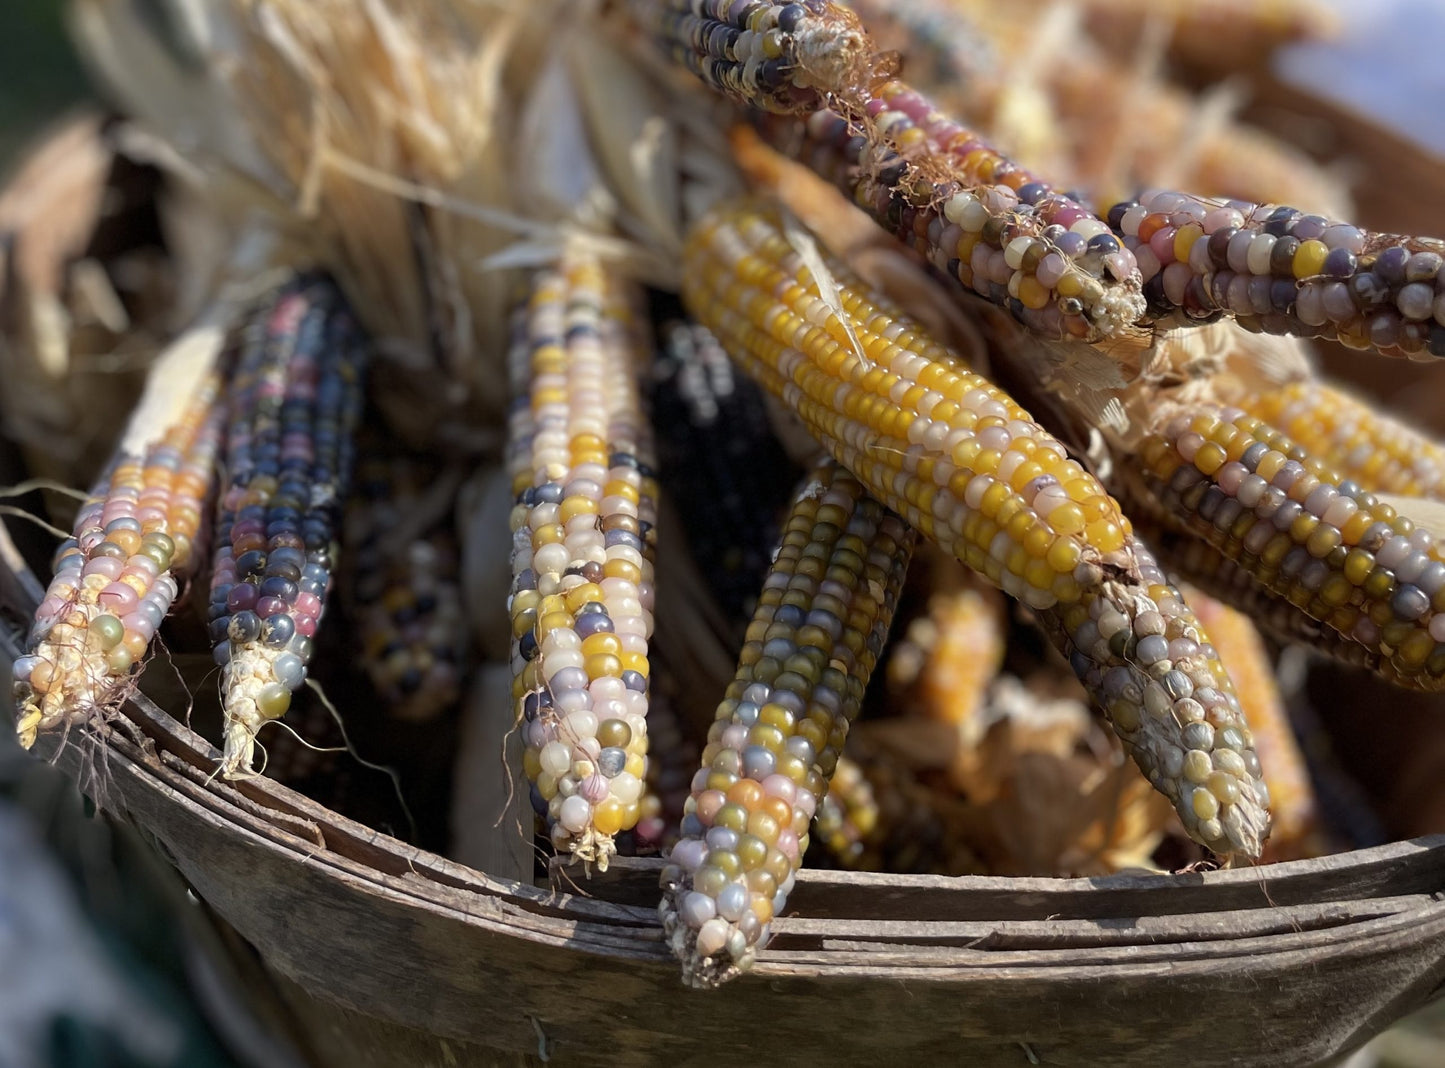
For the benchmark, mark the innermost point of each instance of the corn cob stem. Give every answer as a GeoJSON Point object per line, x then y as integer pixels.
{"type": "Point", "coordinates": [295, 405]}
{"type": "Point", "coordinates": [1380, 453]}
{"type": "Point", "coordinates": [1278, 270]}
{"type": "Point", "coordinates": [1305, 533]}
{"type": "Point", "coordinates": [580, 455]}
{"type": "Point", "coordinates": [821, 621]}
{"type": "Point", "coordinates": [133, 543]}
{"type": "Point", "coordinates": [1292, 797]}
{"type": "Point", "coordinates": [784, 57]}
{"type": "Point", "coordinates": [967, 467]}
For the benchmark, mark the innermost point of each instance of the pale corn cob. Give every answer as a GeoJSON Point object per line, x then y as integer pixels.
{"type": "Point", "coordinates": [580, 455]}
{"type": "Point", "coordinates": [1292, 797]}
{"type": "Point", "coordinates": [1146, 661]}
{"type": "Point", "coordinates": [821, 621]}
{"type": "Point", "coordinates": [981, 479]}
{"type": "Point", "coordinates": [783, 57]}
{"type": "Point", "coordinates": [671, 762]}
{"type": "Point", "coordinates": [406, 596]}
{"type": "Point", "coordinates": [1280, 271]}
{"type": "Point", "coordinates": [954, 652]}
{"type": "Point", "coordinates": [134, 542]}
{"type": "Point", "coordinates": [848, 814]}
{"type": "Point", "coordinates": [977, 218]}
{"type": "Point", "coordinates": [721, 463]}
{"type": "Point", "coordinates": [295, 404]}
{"type": "Point", "coordinates": [1353, 437]}
{"type": "Point", "coordinates": [1311, 537]}
{"type": "Point", "coordinates": [975, 473]}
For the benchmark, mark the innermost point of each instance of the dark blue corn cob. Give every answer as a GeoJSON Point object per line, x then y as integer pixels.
{"type": "Point", "coordinates": [721, 463]}
{"type": "Point", "coordinates": [295, 405]}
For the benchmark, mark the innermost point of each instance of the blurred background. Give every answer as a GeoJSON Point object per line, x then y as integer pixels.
{"type": "Point", "coordinates": [105, 952]}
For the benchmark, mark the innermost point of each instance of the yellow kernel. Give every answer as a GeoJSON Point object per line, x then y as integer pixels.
{"type": "Point", "coordinates": [1309, 258]}
{"type": "Point", "coordinates": [1067, 519]}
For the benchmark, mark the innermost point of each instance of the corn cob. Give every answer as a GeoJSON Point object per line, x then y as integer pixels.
{"type": "Point", "coordinates": [847, 816]}
{"type": "Point", "coordinates": [977, 218]}
{"type": "Point", "coordinates": [1010, 505]}
{"type": "Point", "coordinates": [821, 621]}
{"type": "Point", "coordinates": [1143, 657]}
{"type": "Point", "coordinates": [954, 652]}
{"type": "Point", "coordinates": [1305, 533]}
{"type": "Point", "coordinates": [134, 542]}
{"type": "Point", "coordinates": [405, 590]}
{"type": "Point", "coordinates": [670, 766]}
{"type": "Point", "coordinates": [1280, 271]}
{"type": "Point", "coordinates": [1292, 797]}
{"type": "Point", "coordinates": [1380, 453]}
{"type": "Point", "coordinates": [295, 405]}
{"type": "Point", "coordinates": [582, 526]}
{"type": "Point", "coordinates": [721, 463]}
{"type": "Point", "coordinates": [783, 57]}
{"type": "Point", "coordinates": [975, 473]}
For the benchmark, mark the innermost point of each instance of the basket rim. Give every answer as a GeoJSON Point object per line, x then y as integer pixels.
{"type": "Point", "coordinates": [1370, 891]}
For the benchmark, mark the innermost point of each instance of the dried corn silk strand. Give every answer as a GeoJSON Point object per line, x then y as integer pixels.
{"type": "Point", "coordinates": [1292, 797]}
{"type": "Point", "coordinates": [1280, 271]}
{"type": "Point", "coordinates": [782, 57]}
{"type": "Point", "coordinates": [942, 446]}
{"type": "Point", "coordinates": [580, 455]}
{"type": "Point", "coordinates": [1380, 453]}
{"type": "Point", "coordinates": [1312, 537]}
{"type": "Point", "coordinates": [305, 752]}
{"type": "Point", "coordinates": [821, 621]}
{"type": "Point", "coordinates": [406, 590]}
{"type": "Point", "coordinates": [133, 543]}
{"type": "Point", "coordinates": [295, 405]}
{"type": "Point", "coordinates": [721, 463]}
{"type": "Point", "coordinates": [1146, 661]}
{"type": "Point", "coordinates": [941, 46]}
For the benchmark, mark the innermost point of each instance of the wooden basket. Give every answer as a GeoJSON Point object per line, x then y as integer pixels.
{"type": "Point", "coordinates": [389, 955]}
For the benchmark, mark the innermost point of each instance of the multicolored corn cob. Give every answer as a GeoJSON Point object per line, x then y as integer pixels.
{"type": "Point", "coordinates": [670, 765]}
{"type": "Point", "coordinates": [406, 593]}
{"type": "Point", "coordinates": [295, 405]}
{"type": "Point", "coordinates": [1305, 533]}
{"type": "Point", "coordinates": [848, 814]}
{"type": "Point", "coordinates": [1146, 661]}
{"type": "Point", "coordinates": [1292, 797]}
{"type": "Point", "coordinates": [821, 621]}
{"type": "Point", "coordinates": [977, 218]}
{"type": "Point", "coordinates": [941, 445]}
{"type": "Point", "coordinates": [783, 57]}
{"type": "Point", "coordinates": [967, 467]}
{"type": "Point", "coordinates": [1378, 452]}
{"type": "Point", "coordinates": [1278, 270]}
{"type": "Point", "coordinates": [581, 458]}
{"type": "Point", "coordinates": [134, 542]}
{"type": "Point", "coordinates": [721, 463]}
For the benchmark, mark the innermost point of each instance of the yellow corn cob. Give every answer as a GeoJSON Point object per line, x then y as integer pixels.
{"type": "Point", "coordinates": [1378, 452]}
{"type": "Point", "coordinates": [821, 620]}
{"type": "Point", "coordinates": [966, 466]}
{"type": "Point", "coordinates": [961, 643]}
{"type": "Point", "coordinates": [941, 445]}
{"type": "Point", "coordinates": [848, 814]}
{"type": "Point", "coordinates": [581, 601]}
{"type": "Point", "coordinates": [1292, 797]}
